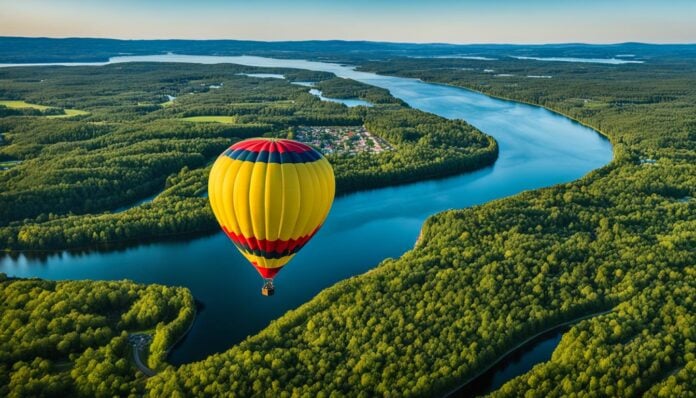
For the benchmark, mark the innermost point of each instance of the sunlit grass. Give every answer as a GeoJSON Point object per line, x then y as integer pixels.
{"type": "Point", "coordinates": [22, 104]}
{"type": "Point", "coordinates": [211, 119]}
{"type": "Point", "coordinates": [14, 104]}
{"type": "Point", "coordinates": [69, 113]}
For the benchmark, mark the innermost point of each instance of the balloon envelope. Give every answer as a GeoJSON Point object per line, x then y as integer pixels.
{"type": "Point", "coordinates": [270, 196]}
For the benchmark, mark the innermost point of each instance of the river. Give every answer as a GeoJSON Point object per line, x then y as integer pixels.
{"type": "Point", "coordinates": [538, 148]}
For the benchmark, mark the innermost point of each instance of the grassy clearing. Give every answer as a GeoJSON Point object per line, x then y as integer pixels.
{"type": "Point", "coordinates": [69, 113]}
{"type": "Point", "coordinates": [168, 103]}
{"type": "Point", "coordinates": [22, 104]}
{"type": "Point", "coordinates": [211, 119]}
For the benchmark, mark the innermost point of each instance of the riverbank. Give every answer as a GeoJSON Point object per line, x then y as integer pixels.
{"type": "Point", "coordinates": [186, 332]}
{"type": "Point", "coordinates": [460, 390]}
{"type": "Point", "coordinates": [625, 190]}
{"type": "Point", "coordinates": [504, 98]}
{"type": "Point", "coordinates": [534, 153]}
{"type": "Point", "coordinates": [77, 216]}
{"type": "Point", "coordinates": [472, 163]}
{"type": "Point", "coordinates": [522, 101]}
{"type": "Point", "coordinates": [137, 347]}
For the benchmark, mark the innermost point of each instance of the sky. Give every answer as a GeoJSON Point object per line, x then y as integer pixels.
{"type": "Point", "coordinates": [446, 21]}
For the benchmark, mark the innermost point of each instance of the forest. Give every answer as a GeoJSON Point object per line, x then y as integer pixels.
{"type": "Point", "coordinates": [74, 181]}
{"type": "Point", "coordinates": [481, 279]}
{"type": "Point", "coordinates": [71, 338]}
{"type": "Point", "coordinates": [478, 281]}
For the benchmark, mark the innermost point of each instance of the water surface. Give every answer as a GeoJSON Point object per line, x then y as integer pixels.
{"type": "Point", "coordinates": [305, 84]}
{"type": "Point", "coordinates": [349, 102]}
{"type": "Point", "coordinates": [264, 75]}
{"type": "Point", "coordinates": [456, 56]}
{"type": "Point", "coordinates": [515, 364]}
{"type": "Point", "coordinates": [611, 61]}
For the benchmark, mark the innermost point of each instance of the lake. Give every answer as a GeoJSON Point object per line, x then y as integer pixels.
{"type": "Point", "coordinates": [349, 102]}
{"type": "Point", "coordinates": [538, 148]}
{"type": "Point", "coordinates": [610, 61]}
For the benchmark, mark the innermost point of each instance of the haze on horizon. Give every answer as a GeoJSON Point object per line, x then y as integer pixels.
{"type": "Point", "coordinates": [473, 21]}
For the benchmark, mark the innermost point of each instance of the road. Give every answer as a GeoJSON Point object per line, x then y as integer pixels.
{"type": "Point", "coordinates": [139, 363]}
{"type": "Point", "coordinates": [142, 341]}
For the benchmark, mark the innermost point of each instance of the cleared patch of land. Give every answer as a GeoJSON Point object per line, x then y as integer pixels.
{"type": "Point", "coordinates": [18, 104]}
{"type": "Point", "coordinates": [22, 104]}
{"type": "Point", "coordinates": [69, 113]}
{"type": "Point", "coordinates": [211, 119]}
{"type": "Point", "coordinates": [169, 102]}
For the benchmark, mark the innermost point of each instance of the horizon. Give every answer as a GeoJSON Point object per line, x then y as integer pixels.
{"type": "Point", "coordinates": [440, 22]}
{"type": "Point", "coordinates": [359, 41]}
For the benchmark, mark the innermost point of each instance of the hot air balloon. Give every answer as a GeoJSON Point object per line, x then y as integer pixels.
{"type": "Point", "coordinates": [270, 196]}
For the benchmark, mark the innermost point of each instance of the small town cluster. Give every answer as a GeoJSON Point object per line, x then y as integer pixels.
{"type": "Point", "coordinates": [341, 140]}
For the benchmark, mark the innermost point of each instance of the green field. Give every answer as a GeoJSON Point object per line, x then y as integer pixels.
{"type": "Point", "coordinates": [18, 104]}
{"type": "Point", "coordinates": [211, 119]}
{"type": "Point", "coordinates": [69, 113]}
{"type": "Point", "coordinates": [12, 104]}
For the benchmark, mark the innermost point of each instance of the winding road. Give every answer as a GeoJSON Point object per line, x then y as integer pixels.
{"type": "Point", "coordinates": [139, 363]}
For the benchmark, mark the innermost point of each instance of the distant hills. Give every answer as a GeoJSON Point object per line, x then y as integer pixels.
{"type": "Point", "coordinates": [32, 50]}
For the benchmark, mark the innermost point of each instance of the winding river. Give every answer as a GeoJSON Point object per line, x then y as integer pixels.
{"type": "Point", "coordinates": [538, 148]}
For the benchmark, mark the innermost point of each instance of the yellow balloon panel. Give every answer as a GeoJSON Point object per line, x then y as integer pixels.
{"type": "Point", "coordinates": [270, 197]}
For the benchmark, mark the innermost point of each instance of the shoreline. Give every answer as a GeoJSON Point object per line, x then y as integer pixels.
{"type": "Point", "coordinates": [418, 241]}
{"type": "Point", "coordinates": [500, 97]}
{"type": "Point", "coordinates": [492, 150]}
{"type": "Point", "coordinates": [450, 393]}
{"type": "Point", "coordinates": [493, 142]}
{"type": "Point", "coordinates": [199, 233]}
{"type": "Point", "coordinates": [145, 369]}
{"type": "Point", "coordinates": [183, 335]}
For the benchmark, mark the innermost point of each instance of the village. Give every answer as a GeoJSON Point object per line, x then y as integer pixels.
{"type": "Point", "coordinates": [341, 140]}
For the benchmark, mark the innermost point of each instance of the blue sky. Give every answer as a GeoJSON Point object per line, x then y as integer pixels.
{"type": "Point", "coordinates": [463, 21]}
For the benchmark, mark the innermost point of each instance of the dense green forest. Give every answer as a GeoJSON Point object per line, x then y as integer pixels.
{"type": "Point", "coordinates": [71, 338]}
{"type": "Point", "coordinates": [73, 180]}
{"type": "Point", "coordinates": [482, 279]}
